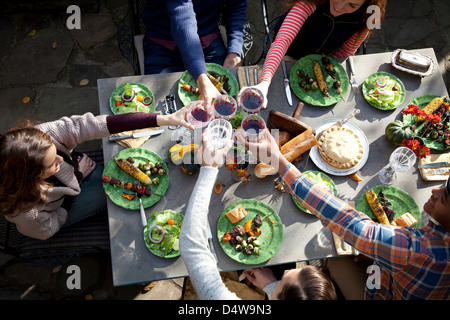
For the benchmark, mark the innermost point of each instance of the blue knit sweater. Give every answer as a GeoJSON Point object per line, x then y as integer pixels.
{"type": "Point", "coordinates": [185, 21]}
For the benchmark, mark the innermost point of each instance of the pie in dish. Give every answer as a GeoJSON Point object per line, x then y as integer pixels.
{"type": "Point", "coordinates": [340, 147]}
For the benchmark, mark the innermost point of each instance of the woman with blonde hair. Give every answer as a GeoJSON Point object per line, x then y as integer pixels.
{"type": "Point", "coordinates": [336, 28]}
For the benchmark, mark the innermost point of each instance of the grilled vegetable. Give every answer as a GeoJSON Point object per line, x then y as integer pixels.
{"type": "Point", "coordinates": [320, 77]}
{"type": "Point", "coordinates": [431, 107]}
{"type": "Point", "coordinates": [191, 89]}
{"type": "Point", "coordinates": [376, 207]}
{"type": "Point", "coordinates": [132, 170]}
{"type": "Point", "coordinates": [216, 83]}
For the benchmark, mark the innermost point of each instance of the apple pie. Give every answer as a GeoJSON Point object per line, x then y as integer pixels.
{"type": "Point", "coordinates": [340, 147]}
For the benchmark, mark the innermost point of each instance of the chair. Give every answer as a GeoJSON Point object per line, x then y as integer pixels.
{"type": "Point", "coordinates": [131, 33]}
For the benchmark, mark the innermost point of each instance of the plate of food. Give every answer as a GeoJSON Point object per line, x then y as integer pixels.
{"type": "Point", "coordinates": [435, 136]}
{"type": "Point", "coordinates": [396, 205]}
{"type": "Point", "coordinates": [132, 97]}
{"type": "Point", "coordinates": [150, 178]}
{"type": "Point", "coordinates": [342, 151]}
{"type": "Point", "coordinates": [383, 91]}
{"type": "Point", "coordinates": [187, 87]}
{"type": "Point", "coordinates": [250, 231]}
{"type": "Point", "coordinates": [162, 233]}
{"type": "Point", "coordinates": [305, 84]}
{"type": "Point", "coordinates": [320, 179]}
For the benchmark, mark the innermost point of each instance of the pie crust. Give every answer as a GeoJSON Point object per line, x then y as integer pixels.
{"type": "Point", "coordinates": [340, 147]}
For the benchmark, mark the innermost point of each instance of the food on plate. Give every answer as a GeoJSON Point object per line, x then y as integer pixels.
{"type": "Point", "coordinates": [333, 74]}
{"type": "Point", "coordinates": [376, 207]}
{"type": "Point", "coordinates": [340, 147]}
{"type": "Point", "coordinates": [405, 220]}
{"type": "Point", "coordinates": [237, 214]}
{"type": "Point", "coordinates": [321, 78]}
{"type": "Point", "coordinates": [132, 99]}
{"type": "Point", "coordinates": [162, 233]}
{"type": "Point", "coordinates": [413, 61]}
{"type": "Point", "coordinates": [431, 107]}
{"type": "Point", "coordinates": [291, 150]}
{"type": "Point", "coordinates": [132, 170]}
{"type": "Point", "coordinates": [244, 237]}
{"type": "Point", "coordinates": [383, 91]}
{"type": "Point", "coordinates": [306, 81]}
{"type": "Point", "coordinates": [190, 88]}
{"type": "Point", "coordinates": [128, 196]}
{"type": "Point", "coordinates": [390, 213]}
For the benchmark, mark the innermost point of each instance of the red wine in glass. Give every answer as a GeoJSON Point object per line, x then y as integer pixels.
{"type": "Point", "coordinates": [253, 126]}
{"type": "Point", "coordinates": [251, 100]}
{"type": "Point", "coordinates": [200, 114]}
{"type": "Point", "coordinates": [224, 108]}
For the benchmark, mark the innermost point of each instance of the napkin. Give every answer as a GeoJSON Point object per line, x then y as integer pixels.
{"type": "Point", "coordinates": [338, 242]}
{"type": "Point", "coordinates": [427, 174]}
{"type": "Point", "coordinates": [131, 142]}
{"type": "Point", "coordinates": [242, 79]}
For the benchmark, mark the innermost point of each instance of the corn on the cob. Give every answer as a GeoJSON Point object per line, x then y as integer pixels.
{"type": "Point", "coordinates": [320, 77]}
{"type": "Point", "coordinates": [217, 84]}
{"type": "Point", "coordinates": [431, 107]}
{"type": "Point", "coordinates": [133, 170]}
{"type": "Point", "coordinates": [376, 207]}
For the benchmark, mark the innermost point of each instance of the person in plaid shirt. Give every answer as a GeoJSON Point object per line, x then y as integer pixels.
{"type": "Point", "coordinates": [413, 263]}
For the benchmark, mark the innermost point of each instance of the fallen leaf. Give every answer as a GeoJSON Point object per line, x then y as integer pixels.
{"type": "Point", "coordinates": [89, 297]}
{"type": "Point", "coordinates": [355, 177]}
{"type": "Point", "coordinates": [26, 99]}
{"type": "Point", "coordinates": [55, 44]}
{"type": "Point", "coordinates": [84, 82]}
{"type": "Point", "coordinates": [32, 32]}
{"type": "Point", "coordinates": [218, 187]}
{"type": "Point", "coordinates": [150, 286]}
{"type": "Point", "coordinates": [246, 179]}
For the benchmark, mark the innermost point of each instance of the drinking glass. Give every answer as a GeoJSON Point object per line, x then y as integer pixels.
{"type": "Point", "coordinates": [219, 132]}
{"type": "Point", "coordinates": [251, 100]}
{"type": "Point", "coordinates": [402, 159]}
{"type": "Point", "coordinates": [253, 128]}
{"type": "Point", "coordinates": [224, 107]}
{"type": "Point", "coordinates": [199, 115]}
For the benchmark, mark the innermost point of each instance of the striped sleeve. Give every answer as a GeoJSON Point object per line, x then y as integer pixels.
{"type": "Point", "coordinates": [352, 44]}
{"type": "Point", "coordinates": [287, 33]}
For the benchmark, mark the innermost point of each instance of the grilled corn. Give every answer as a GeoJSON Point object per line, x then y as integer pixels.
{"type": "Point", "coordinates": [431, 107]}
{"type": "Point", "coordinates": [320, 77]}
{"type": "Point", "coordinates": [376, 207]}
{"type": "Point", "coordinates": [133, 170]}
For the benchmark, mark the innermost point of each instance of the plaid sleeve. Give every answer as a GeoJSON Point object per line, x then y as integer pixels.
{"type": "Point", "coordinates": [389, 246]}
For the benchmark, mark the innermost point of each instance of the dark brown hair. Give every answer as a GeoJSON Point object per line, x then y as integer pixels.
{"type": "Point", "coordinates": [312, 284]}
{"type": "Point", "coordinates": [22, 152]}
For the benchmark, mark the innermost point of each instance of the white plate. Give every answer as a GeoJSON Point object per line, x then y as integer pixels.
{"type": "Point", "coordinates": [322, 165]}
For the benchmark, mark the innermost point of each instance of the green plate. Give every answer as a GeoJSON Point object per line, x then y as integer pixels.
{"type": "Point", "coordinates": [367, 87]}
{"type": "Point", "coordinates": [148, 243]}
{"type": "Point", "coordinates": [316, 97]}
{"type": "Point", "coordinates": [316, 176]}
{"type": "Point", "coordinates": [271, 231]}
{"type": "Point", "coordinates": [115, 192]}
{"type": "Point", "coordinates": [186, 78]}
{"type": "Point", "coordinates": [144, 91]}
{"type": "Point", "coordinates": [422, 102]}
{"type": "Point", "coordinates": [401, 202]}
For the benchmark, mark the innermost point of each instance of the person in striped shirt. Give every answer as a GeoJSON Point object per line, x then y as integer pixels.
{"type": "Point", "coordinates": [412, 263]}
{"type": "Point", "coordinates": [335, 28]}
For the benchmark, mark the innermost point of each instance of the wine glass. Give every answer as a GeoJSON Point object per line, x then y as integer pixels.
{"type": "Point", "coordinates": [199, 115]}
{"type": "Point", "coordinates": [219, 132]}
{"type": "Point", "coordinates": [224, 107]}
{"type": "Point", "coordinates": [253, 128]}
{"type": "Point", "coordinates": [251, 100]}
{"type": "Point", "coordinates": [402, 159]}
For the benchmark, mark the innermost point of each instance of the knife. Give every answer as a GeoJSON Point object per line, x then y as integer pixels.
{"type": "Point", "coordinates": [434, 165]}
{"type": "Point", "coordinates": [255, 76]}
{"type": "Point", "coordinates": [210, 242]}
{"type": "Point", "coordinates": [247, 76]}
{"type": "Point", "coordinates": [137, 135]}
{"type": "Point", "coordinates": [287, 88]}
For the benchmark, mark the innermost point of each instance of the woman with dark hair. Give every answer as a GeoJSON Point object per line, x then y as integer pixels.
{"type": "Point", "coordinates": [335, 28]}
{"type": "Point", "coordinates": [42, 178]}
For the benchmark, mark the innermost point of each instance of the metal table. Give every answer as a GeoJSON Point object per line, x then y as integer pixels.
{"type": "Point", "coordinates": [304, 236]}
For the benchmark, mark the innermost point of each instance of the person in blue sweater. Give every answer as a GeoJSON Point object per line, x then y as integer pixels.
{"type": "Point", "coordinates": [184, 34]}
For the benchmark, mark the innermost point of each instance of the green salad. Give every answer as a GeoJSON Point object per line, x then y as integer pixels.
{"type": "Point", "coordinates": [383, 91]}
{"type": "Point", "coordinates": [162, 233]}
{"type": "Point", "coordinates": [132, 98]}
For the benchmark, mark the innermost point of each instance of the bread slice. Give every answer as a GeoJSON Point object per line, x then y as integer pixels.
{"type": "Point", "coordinates": [236, 214]}
{"type": "Point", "coordinates": [405, 220]}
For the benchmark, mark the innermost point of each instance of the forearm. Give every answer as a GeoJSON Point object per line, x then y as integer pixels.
{"type": "Point", "coordinates": [199, 260]}
{"type": "Point", "coordinates": [235, 17]}
{"type": "Point", "coordinates": [351, 45]}
{"type": "Point", "coordinates": [132, 121]}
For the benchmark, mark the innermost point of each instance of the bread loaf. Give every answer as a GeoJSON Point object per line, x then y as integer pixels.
{"type": "Point", "coordinates": [405, 220]}
{"type": "Point", "coordinates": [236, 214]}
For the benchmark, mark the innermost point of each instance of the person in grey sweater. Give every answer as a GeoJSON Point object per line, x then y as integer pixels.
{"type": "Point", "coordinates": [301, 283]}
{"type": "Point", "coordinates": [41, 179]}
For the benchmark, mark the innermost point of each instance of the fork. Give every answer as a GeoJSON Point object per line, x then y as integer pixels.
{"type": "Point", "coordinates": [440, 171]}
{"type": "Point", "coordinates": [352, 76]}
